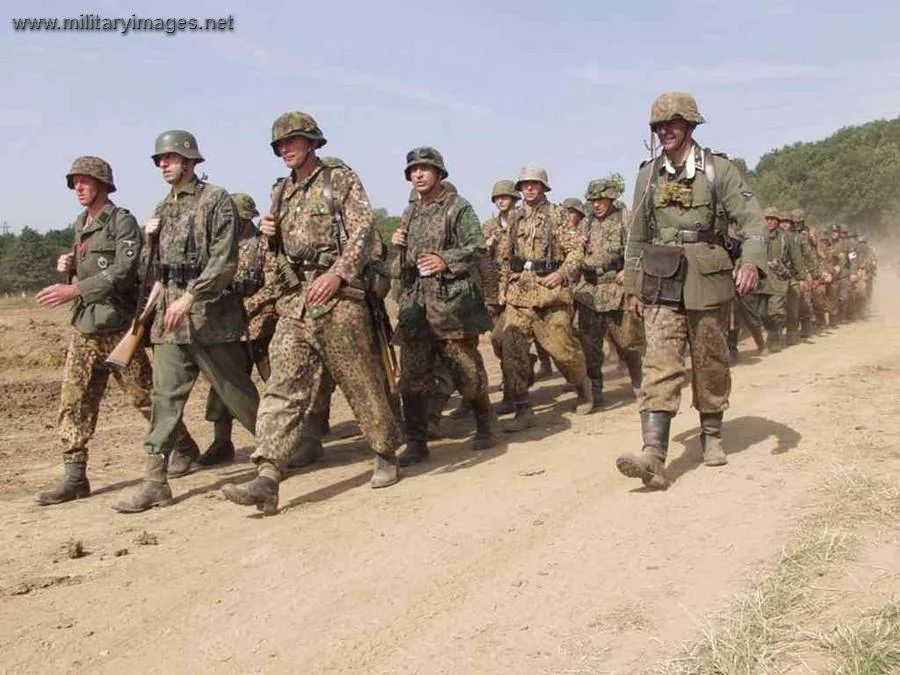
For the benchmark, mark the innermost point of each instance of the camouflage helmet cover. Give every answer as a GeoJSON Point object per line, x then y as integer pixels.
{"type": "Point", "coordinates": [246, 207]}
{"type": "Point", "coordinates": [425, 156]}
{"type": "Point", "coordinates": [605, 188]}
{"type": "Point", "coordinates": [95, 167]}
{"type": "Point", "coordinates": [505, 188]}
{"type": "Point", "coordinates": [798, 215]}
{"type": "Point", "coordinates": [179, 142]}
{"type": "Point", "coordinates": [772, 212]}
{"type": "Point", "coordinates": [575, 204]}
{"type": "Point", "coordinates": [296, 123]}
{"type": "Point", "coordinates": [785, 216]}
{"type": "Point", "coordinates": [535, 173]}
{"type": "Point", "coordinates": [675, 105]}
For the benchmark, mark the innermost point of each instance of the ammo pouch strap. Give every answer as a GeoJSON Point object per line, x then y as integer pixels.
{"type": "Point", "coordinates": [177, 274]}
{"type": "Point", "coordinates": [663, 271]}
{"type": "Point", "coordinates": [539, 267]}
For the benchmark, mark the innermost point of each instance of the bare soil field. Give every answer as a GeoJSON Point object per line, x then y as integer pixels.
{"type": "Point", "coordinates": [534, 557]}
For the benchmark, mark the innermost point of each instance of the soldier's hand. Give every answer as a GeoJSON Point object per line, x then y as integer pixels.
{"type": "Point", "coordinates": [176, 312]}
{"type": "Point", "coordinates": [495, 310]}
{"type": "Point", "coordinates": [583, 241]}
{"type": "Point", "coordinates": [635, 306]}
{"type": "Point", "coordinates": [151, 226]}
{"type": "Point", "coordinates": [620, 277]}
{"type": "Point", "coordinates": [323, 289]}
{"type": "Point", "coordinates": [429, 264]}
{"type": "Point", "coordinates": [57, 294]}
{"type": "Point", "coordinates": [490, 242]}
{"type": "Point", "coordinates": [65, 263]}
{"type": "Point", "coordinates": [399, 237]}
{"type": "Point", "coordinates": [746, 278]}
{"type": "Point", "coordinates": [267, 225]}
{"type": "Point", "coordinates": [552, 280]}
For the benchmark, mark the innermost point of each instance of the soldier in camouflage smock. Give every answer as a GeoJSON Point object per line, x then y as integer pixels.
{"type": "Point", "coordinates": [681, 279]}
{"type": "Point", "coordinates": [198, 324]}
{"type": "Point", "coordinates": [600, 295]}
{"type": "Point", "coordinates": [539, 262]}
{"type": "Point", "coordinates": [323, 229]}
{"type": "Point", "coordinates": [442, 307]}
{"type": "Point", "coordinates": [103, 273]}
{"type": "Point", "coordinates": [254, 284]}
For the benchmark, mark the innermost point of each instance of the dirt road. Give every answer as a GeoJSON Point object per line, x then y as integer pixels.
{"type": "Point", "coordinates": [536, 557]}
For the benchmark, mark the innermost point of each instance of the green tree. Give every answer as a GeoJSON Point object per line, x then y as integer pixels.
{"type": "Point", "coordinates": [27, 263]}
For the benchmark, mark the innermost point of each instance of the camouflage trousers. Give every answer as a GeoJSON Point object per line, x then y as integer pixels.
{"type": "Point", "coordinates": [216, 410]}
{"type": "Point", "coordinates": [551, 328]}
{"type": "Point", "coordinates": [669, 334]}
{"type": "Point", "coordinates": [176, 368]}
{"type": "Point", "coordinates": [625, 332]}
{"type": "Point", "coordinates": [421, 358]}
{"type": "Point", "coordinates": [84, 381]}
{"type": "Point", "coordinates": [303, 353]}
{"type": "Point", "coordinates": [497, 341]}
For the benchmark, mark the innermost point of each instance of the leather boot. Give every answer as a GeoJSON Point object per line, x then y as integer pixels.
{"type": "Point", "coordinates": [435, 404]}
{"type": "Point", "coordinates": [774, 341]}
{"type": "Point", "coordinates": [74, 484]}
{"type": "Point", "coordinates": [805, 328]}
{"type": "Point", "coordinates": [483, 435]}
{"type": "Point", "coordinates": [597, 392]}
{"type": "Point", "coordinates": [733, 347]}
{"type": "Point", "coordinates": [711, 439]}
{"type": "Point", "coordinates": [308, 451]}
{"type": "Point", "coordinates": [261, 492]}
{"type": "Point", "coordinates": [523, 420]}
{"type": "Point", "coordinates": [415, 411]}
{"type": "Point", "coordinates": [649, 466]}
{"type": "Point", "coordinates": [585, 397]}
{"type": "Point", "coordinates": [154, 491]}
{"type": "Point", "coordinates": [758, 340]}
{"type": "Point", "coordinates": [506, 406]}
{"type": "Point", "coordinates": [183, 456]}
{"type": "Point", "coordinates": [221, 450]}
{"type": "Point", "coordinates": [386, 470]}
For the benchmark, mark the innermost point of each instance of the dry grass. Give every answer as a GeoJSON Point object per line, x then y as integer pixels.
{"type": "Point", "coordinates": [869, 647]}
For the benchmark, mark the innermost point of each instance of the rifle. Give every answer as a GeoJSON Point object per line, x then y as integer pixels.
{"type": "Point", "coordinates": [123, 352]}
{"type": "Point", "coordinates": [384, 335]}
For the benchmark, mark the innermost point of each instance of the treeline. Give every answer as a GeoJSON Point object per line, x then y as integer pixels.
{"type": "Point", "coordinates": [851, 177]}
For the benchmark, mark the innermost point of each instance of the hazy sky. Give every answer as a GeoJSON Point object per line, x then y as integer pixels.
{"type": "Point", "coordinates": [493, 85]}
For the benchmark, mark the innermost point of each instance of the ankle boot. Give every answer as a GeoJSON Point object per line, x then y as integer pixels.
{"type": "Point", "coordinates": [506, 406]}
{"type": "Point", "coordinates": [585, 397]}
{"type": "Point", "coordinates": [309, 450]}
{"type": "Point", "coordinates": [415, 411]}
{"type": "Point", "coordinates": [154, 491]}
{"type": "Point", "coordinates": [483, 436]}
{"type": "Point", "coordinates": [183, 456]}
{"type": "Point", "coordinates": [733, 347]}
{"type": "Point", "coordinates": [74, 484]}
{"type": "Point", "coordinates": [221, 450]}
{"type": "Point", "coordinates": [261, 492]}
{"type": "Point", "coordinates": [758, 340]}
{"type": "Point", "coordinates": [649, 466]}
{"type": "Point", "coordinates": [464, 409]}
{"type": "Point", "coordinates": [597, 392]}
{"type": "Point", "coordinates": [386, 470]}
{"type": "Point", "coordinates": [711, 439]}
{"type": "Point", "coordinates": [523, 420]}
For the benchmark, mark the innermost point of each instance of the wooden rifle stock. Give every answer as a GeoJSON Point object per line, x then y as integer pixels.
{"type": "Point", "coordinates": [123, 352]}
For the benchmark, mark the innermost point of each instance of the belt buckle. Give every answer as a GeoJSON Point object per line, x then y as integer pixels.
{"type": "Point", "coordinates": [528, 266]}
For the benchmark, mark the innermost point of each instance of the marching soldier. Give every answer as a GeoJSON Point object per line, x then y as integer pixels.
{"type": "Point", "coordinates": [799, 274]}
{"type": "Point", "coordinates": [103, 272]}
{"type": "Point", "coordinates": [681, 280]}
{"type": "Point", "coordinates": [541, 260]}
{"type": "Point", "coordinates": [600, 295]}
{"type": "Point", "coordinates": [323, 229]}
{"type": "Point", "coordinates": [811, 262]}
{"type": "Point", "coordinates": [575, 213]}
{"type": "Point", "coordinates": [198, 324]}
{"type": "Point", "coordinates": [442, 308]}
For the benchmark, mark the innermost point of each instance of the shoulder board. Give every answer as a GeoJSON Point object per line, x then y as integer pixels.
{"type": "Point", "coordinates": [333, 162]}
{"type": "Point", "coordinates": [719, 153]}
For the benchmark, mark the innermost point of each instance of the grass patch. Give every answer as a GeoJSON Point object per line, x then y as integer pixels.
{"type": "Point", "coordinates": [868, 647]}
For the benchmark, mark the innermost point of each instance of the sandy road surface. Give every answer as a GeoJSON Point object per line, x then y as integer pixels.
{"type": "Point", "coordinates": [536, 557]}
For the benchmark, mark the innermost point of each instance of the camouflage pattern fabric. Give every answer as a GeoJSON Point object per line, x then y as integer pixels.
{"type": "Point", "coordinates": [419, 360]}
{"type": "Point", "coordinates": [551, 327]}
{"type": "Point", "coordinates": [96, 168]}
{"type": "Point", "coordinates": [626, 333]}
{"type": "Point", "coordinates": [300, 353]}
{"type": "Point", "coordinates": [669, 334]}
{"type": "Point", "coordinates": [605, 244]}
{"type": "Point", "coordinates": [215, 316]}
{"type": "Point", "coordinates": [259, 308]}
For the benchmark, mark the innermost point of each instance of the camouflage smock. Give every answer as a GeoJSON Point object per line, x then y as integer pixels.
{"type": "Point", "coordinates": [539, 233]}
{"type": "Point", "coordinates": [216, 316]}
{"type": "Point", "coordinates": [255, 261]}
{"type": "Point", "coordinates": [107, 261]}
{"type": "Point", "coordinates": [450, 305]}
{"type": "Point", "coordinates": [604, 252]}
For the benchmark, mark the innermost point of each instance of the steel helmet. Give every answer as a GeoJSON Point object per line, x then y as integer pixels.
{"type": "Point", "coordinates": [296, 123]}
{"type": "Point", "coordinates": [95, 167]}
{"type": "Point", "coordinates": [179, 142]}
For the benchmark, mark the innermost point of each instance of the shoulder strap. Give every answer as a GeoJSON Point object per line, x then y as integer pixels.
{"type": "Point", "coordinates": [449, 222]}
{"type": "Point", "coordinates": [710, 171]}
{"type": "Point", "coordinates": [649, 211]}
{"type": "Point", "coordinates": [190, 244]}
{"type": "Point", "coordinates": [338, 231]}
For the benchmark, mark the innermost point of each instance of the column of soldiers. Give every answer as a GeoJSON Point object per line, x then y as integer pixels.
{"type": "Point", "coordinates": [297, 297]}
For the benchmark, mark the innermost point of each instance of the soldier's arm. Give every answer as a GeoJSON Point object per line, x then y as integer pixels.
{"type": "Point", "coordinates": [469, 241]}
{"type": "Point", "coordinates": [503, 256]}
{"type": "Point", "coordinates": [638, 231]}
{"type": "Point", "coordinates": [122, 274]}
{"type": "Point", "coordinates": [570, 245]}
{"type": "Point", "coordinates": [359, 220]}
{"type": "Point", "coordinates": [743, 208]}
{"type": "Point", "coordinates": [223, 251]}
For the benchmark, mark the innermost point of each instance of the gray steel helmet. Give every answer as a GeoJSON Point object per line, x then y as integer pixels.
{"type": "Point", "coordinates": [296, 123]}
{"type": "Point", "coordinates": [95, 167]}
{"type": "Point", "coordinates": [427, 156]}
{"type": "Point", "coordinates": [531, 172]}
{"type": "Point", "coordinates": [505, 188]}
{"type": "Point", "coordinates": [179, 142]}
{"type": "Point", "coordinates": [575, 204]}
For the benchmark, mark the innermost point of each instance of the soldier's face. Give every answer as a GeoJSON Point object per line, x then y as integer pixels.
{"type": "Point", "coordinates": [86, 189]}
{"type": "Point", "coordinates": [673, 134]}
{"type": "Point", "coordinates": [772, 224]}
{"type": "Point", "coordinates": [504, 203]}
{"type": "Point", "coordinates": [573, 217]}
{"type": "Point", "coordinates": [294, 151]}
{"type": "Point", "coordinates": [173, 167]}
{"type": "Point", "coordinates": [601, 206]}
{"type": "Point", "coordinates": [835, 235]}
{"type": "Point", "coordinates": [424, 178]}
{"type": "Point", "coordinates": [785, 225]}
{"type": "Point", "coordinates": [532, 191]}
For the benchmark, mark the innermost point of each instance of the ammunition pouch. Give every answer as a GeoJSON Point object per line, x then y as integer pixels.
{"type": "Point", "coordinates": [540, 267]}
{"type": "Point", "coordinates": [177, 274]}
{"type": "Point", "coordinates": [248, 285]}
{"type": "Point", "coordinates": [592, 274]}
{"type": "Point", "coordinates": [663, 271]}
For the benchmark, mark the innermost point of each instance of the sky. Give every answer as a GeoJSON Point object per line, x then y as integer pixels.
{"type": "Point", "coordinates": [493, 85]}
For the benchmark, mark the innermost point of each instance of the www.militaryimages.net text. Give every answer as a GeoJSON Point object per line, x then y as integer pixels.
{"type": "Point", "coordinates": [123, 25]}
